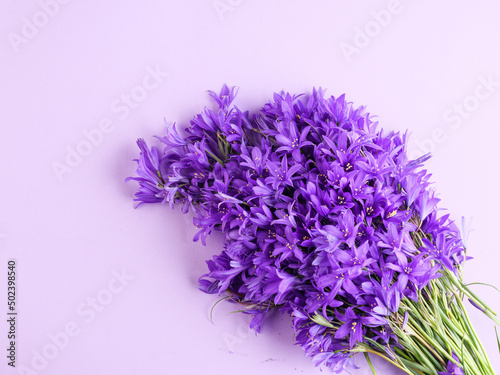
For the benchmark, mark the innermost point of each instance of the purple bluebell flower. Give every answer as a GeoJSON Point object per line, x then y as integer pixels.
{"type": "Point", "coordinates": [453, 367]}
{"type": "Point", "coordinates": [151, 181]}
{"type": "Point", "coordinates": [408, 272]}
{"type": "Point", "coordinates": [353, 325]}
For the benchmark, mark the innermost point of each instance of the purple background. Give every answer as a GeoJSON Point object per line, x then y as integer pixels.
{"type": "Point", "coordinates": [68, 69]}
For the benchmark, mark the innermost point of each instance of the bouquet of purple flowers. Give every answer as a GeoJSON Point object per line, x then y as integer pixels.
{"type": "Point", "coordinates": [325, 219]}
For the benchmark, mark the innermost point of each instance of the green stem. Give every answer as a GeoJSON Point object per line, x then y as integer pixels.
{"type": "Point", "coordinates": [439, 325]}
{"type": "Point", "coordinates": [400, 366]}
{"type": "Point", "coordinates": [367, 356]}
{"type": "Point", "coordinates": [473, 333]}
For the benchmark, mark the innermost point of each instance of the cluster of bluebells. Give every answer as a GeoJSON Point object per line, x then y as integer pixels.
{"type": "Point", "coordinates": [320, 211]}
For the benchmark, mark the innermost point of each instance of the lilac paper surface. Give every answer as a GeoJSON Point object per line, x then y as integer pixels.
{"type": "Point", "coordinates": [106, 289]}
